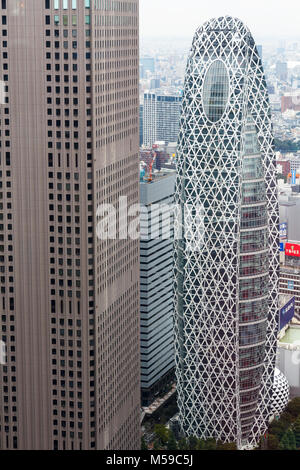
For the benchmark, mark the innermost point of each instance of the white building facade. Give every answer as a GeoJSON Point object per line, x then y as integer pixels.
{"type": "Point", "coordinates": [161, 118]}
{"type": "Point", "coordinates": [227, 262]}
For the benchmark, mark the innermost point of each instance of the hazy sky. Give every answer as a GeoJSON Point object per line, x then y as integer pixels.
{"type": "Point", "coordinates": [265, 18]}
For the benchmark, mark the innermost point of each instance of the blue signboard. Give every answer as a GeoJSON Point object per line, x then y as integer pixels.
{"type": "Point", "coordinates": [294, 173]}
{"type": "Point", "coordinates": [287, 313]}
{"type": "Point", "coordinates": [291, 285]}
{"type": "Point", "coordinates": [281, 246]}
{"type": "Point", "coordinates": [283, 231]}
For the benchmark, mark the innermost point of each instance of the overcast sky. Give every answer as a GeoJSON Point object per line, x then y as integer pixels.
{"type": "Point", "coordinates": [180, 18]}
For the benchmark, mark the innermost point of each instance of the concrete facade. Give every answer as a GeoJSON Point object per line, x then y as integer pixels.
{"type": "Point", "coordinates": [157, 350]}
{"type": "Point", "coordinates": [161, 118]}
{"type": "Point", "coordinates": [69, 301]}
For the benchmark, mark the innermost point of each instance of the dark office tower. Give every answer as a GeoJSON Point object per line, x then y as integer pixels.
{"type": "Point", "coordinates": [157, 340]}
{"type": "Point", "coordinates": [69, 301]}
{"type": "Point", "coordinates": [227, 261]}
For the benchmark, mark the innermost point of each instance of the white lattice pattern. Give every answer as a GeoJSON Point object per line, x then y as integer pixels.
{"type": "Point", "coordinates": [281, 393]}
{"type": "Point", "coordinates": [225, 360]}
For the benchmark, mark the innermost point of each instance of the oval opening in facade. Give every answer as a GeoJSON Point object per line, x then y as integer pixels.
{"type": "Point", "coordinates": [216, 91]}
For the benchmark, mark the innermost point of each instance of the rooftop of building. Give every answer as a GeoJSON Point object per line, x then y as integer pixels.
{"type": "Point", "coordinates": [292, 336]}
{"type": "Point", "coordinates": [159, 175]}
{"type": "Point", "coordinates": [284, 299]}
{"type": "Point", "coordinates": [290, 270]}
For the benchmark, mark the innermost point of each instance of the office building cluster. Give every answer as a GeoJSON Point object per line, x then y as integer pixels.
{"type": "Point", "coordinates": [160, 118]}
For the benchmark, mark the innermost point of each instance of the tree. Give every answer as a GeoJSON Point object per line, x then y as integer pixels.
{"type": "Point", "coordinates": [288, 441]}
{"type": "Point", "coordinates": [284, 443]}
{"type": "Point", "coordinates": [201, 445]}
{"type": "Point", "coordinates": [210, 444]}
{"type": "Point", "coordinates": [156, 445]}
{"type": "Point", "coordinates": [183, 444]}
{"type": "Point", "coordinates": [228, 446]}
{"type": "Point", "coordinates": [273, 442]}
{"type": "Point", "coordinates": [280, 176]}
{"type": "Point", "coordinates": [171, 444]}
{"type": "Point", "coordinates": [162, 433]}
{"type": "Point", "coordinates": [297, 431]}
{"type": "Point", "coordinates": [277, 428]}
{"type": "Point", "coordinates": [192, 442]}
{"type": "Point", "coordinates": [292, 439]}
{"type": "Point", "coordinates": [294, 407]}
{"type": "Point", "coordinates": [143, 444]}
{"type": "Point", "coordinates": [286, 419]}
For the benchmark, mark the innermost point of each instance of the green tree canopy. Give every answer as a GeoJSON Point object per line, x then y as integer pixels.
{"type": "Point", "coordinates": [288, 441]}
{"type": "Point", "coordinates": [227, 446]}
{"type": "Point", "coordinates": [143, 444]}
{"type": "Point", "coordinates": [297, 431]}
{"type": "Point", "coordinates": [192, 442]}
{"type": "Point", "coordinates": [273, 442]}
{"type": "Point", "coordinates": [162, 433]}
{"type": "Point", "coordinates": [277, 428]}
{"type": "Point", "coordinates": [171, 444]}
{"type": "Point", "coordinates": [201, 445]}
{"type": "Point", "coordinates": [183, 444]}
{"type": "Point", "coordinates": [210, 444]}
{"type": "Point", "coordinates": [294, 407]}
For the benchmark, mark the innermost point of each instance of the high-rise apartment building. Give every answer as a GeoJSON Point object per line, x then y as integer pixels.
{"type": "Point", "coordinates": [282, 71]}
{"type": "Point", "coordinates": [141, 123]}
{"type": "Point", "coordinates": [290, 101]}
{"type": "Point", "coordinates": [157, 304]}
{"type": "Point", "coordinates": [69, 300]}
{"type": "Point", "coordinates": [148, 64]}
{"type": "Point", "coordinates": [161, 118]}
{"type": "Point", "coordinates": [227, 260]}
{"type": "Point", "coordinates": [149, 119]}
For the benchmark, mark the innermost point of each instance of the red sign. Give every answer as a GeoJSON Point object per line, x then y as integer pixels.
{"type": "Point", "coordinates": [292, 249]}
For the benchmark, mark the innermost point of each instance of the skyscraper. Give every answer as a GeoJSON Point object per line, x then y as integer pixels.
{"type": "Point", "coordinates": [69, 301]}
{"type": "Point", "coordinates": [141, 124]}
{"type": "Point", "coordinates": [227, 260]}
{"type": "Point", "coordinates": [282, 71]}
{"type": "Point", "coordinates": [161, 118]}
{"type": "Point", "coordinates": [157, 306]}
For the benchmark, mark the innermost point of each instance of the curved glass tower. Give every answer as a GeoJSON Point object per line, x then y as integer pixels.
{"type": "Point", "coordinates": [227, 259]}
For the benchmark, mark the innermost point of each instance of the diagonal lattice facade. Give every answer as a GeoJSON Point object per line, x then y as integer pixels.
{"type": "Point", "coordinates": [227, 260]}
